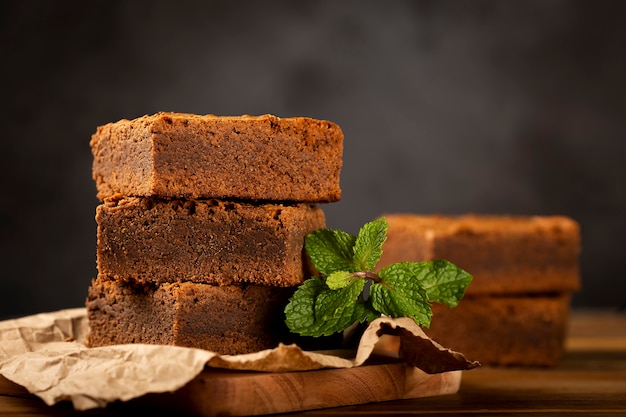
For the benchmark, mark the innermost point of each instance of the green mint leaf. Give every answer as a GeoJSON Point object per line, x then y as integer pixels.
{"type": "Point", "coordinates": [340, 279]}
{"type": "Point", "coordinates": [444, 282]}
{"type": "Point", "coordinates": [368, 244]}
{"type": "Point", "coordinates": [300, 311]}
{"type": "Point", "coordinates": [316, 310]}
{"type": "Point", "coordinates": [334, 301]}
{"type": "Point", "coordinates": [334, 309]}
{"type": "Point", "coordinates": [330, 250]}
{"type": "Point", "coordinates": [364, 311]}
{"type": "Point", "coordinates": [400, 294]}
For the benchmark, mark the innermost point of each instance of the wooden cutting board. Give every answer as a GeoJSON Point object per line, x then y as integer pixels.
{"type": "Point", "coordinates": [236, 393]}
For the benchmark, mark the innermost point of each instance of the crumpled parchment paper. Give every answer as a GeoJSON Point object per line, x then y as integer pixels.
{"type": "Point", "coordinates": [44, 353]}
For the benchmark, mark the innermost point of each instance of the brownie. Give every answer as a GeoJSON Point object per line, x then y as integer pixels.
{"type": "Point", "coordinates": [181, 155]}
{"type": "Point", "coordinates": [505, 254]}
{"type": "Point", "coordinates": [230, 319]}
{"type": "Point", "coordinates": [504, 330]}
{"type": "Point", "coordinates": [148, 240]}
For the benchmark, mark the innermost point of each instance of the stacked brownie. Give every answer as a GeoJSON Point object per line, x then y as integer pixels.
{"type": "Point", "coordinates": [525, 269]}
{"type": "Point", "coordinates": [202, 224]}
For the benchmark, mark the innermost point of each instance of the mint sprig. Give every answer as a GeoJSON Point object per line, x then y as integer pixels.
{"type": "Point", "coordinates": [348, 291]}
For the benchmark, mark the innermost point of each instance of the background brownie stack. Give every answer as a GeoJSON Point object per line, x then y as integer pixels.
{"type": "Point", "coordinates": [525, 269]}
{"type": "Point", "coordinates": [202, 225]}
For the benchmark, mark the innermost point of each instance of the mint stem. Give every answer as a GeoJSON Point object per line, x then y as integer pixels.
{"type": "Point", "coordinates": [367, 274]}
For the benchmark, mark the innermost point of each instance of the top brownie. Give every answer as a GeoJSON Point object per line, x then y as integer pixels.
{"type": "Point", "coordinates": [176, 155]}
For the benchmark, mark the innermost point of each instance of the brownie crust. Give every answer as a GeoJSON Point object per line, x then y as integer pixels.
{"type": "Point", "coordinates": [178, 155]}
{"type": "Point", "coordinates": [145, 240]}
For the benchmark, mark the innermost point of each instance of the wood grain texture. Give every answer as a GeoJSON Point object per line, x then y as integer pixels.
{"type": "Point", "coordinates": [247, 394]}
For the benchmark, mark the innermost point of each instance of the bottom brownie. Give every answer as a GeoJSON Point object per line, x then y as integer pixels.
{"type": "Point", "coordinates": [505, 331]}
{"type": "Point", "coordinates": [223, 319]}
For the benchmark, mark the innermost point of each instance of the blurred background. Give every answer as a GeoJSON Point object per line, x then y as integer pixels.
{"type": "Point", "coordinates": [447, 107]}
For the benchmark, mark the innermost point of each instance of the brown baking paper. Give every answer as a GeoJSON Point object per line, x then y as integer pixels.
{"type": "Point", "coordinates": [44, 353]}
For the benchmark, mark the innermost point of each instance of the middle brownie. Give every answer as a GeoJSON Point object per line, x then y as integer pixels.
{"type": "Point", "coordinates": [205, 241]}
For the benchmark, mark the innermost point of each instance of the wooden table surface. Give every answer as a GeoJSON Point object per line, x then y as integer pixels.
{"type": "Point", "coordinates": [590, 380]}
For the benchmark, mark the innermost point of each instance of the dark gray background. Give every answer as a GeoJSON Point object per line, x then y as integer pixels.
{"type": "Point", "coordinates": [446, 106]}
